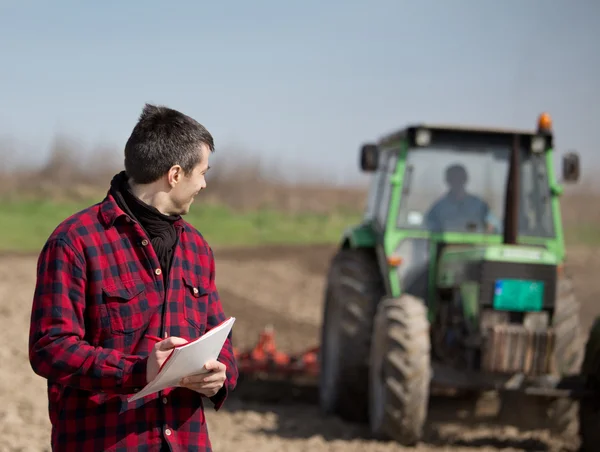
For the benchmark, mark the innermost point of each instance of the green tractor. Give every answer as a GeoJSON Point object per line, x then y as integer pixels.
{"type": "Point", "coordinates": [455, 279]}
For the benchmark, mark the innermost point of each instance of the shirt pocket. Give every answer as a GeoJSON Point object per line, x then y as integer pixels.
{"type": "Point", "coordinates": [126, 306]}
{"type": "Point", "coordinates": [195, 304]}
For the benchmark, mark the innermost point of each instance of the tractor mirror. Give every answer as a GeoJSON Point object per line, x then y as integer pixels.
{"type": "Point", "coordinates": [369, 157]}
{"type": "Point", "coordinates": [570, 167]}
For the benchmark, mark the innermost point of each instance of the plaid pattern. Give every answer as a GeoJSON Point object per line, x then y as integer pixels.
{"type": "Point", "coordinates": [99, 293]}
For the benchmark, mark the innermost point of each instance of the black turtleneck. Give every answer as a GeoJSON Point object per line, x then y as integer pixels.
{"type": "Point", "coordinates": [158, 226]}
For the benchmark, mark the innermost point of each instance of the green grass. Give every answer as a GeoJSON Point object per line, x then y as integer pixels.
{"type": "Point", "coordinates": [25, 225]}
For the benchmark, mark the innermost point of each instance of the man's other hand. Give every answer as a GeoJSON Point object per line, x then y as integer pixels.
{"type": "Point", "coordinates": [159, 355]}
{"type": "Point", "coordinates": [209, 383]}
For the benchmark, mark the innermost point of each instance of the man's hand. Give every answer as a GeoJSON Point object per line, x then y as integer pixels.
{"type": "Point", "coordinates": [161, 352]}
{"type": "Point", "coordinates": [209, 383]}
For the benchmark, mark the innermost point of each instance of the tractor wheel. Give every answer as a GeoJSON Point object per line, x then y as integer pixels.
{"type": "Point", "coordinates": [353, 290]}
{"type": "Point", "coordinates": [589, 408]}
{"type": "Point", "coordinates": [560, 415]}
{"type": "Point", "coordinates": [400, 370]}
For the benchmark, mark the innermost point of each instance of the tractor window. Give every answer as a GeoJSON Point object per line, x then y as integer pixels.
{"type": "Point", "coordinates": [379, 189]}
{"type": "Point", "coordinates": [462, 189]}
{"type": "Point", "coordinates": [535, 216]}
{"type": "Point", "coordinates": [374, 190]}
{"type": "Point", "coordinates": [389, 167]}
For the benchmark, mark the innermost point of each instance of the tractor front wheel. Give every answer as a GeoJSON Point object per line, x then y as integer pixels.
{"type": "Point", "coordinates": [400, 370]}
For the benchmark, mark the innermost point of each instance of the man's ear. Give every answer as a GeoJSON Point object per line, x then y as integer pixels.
{"type": "Point", "coordinates": [174, 175]}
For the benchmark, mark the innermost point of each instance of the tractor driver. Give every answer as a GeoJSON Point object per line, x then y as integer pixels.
{"type": "Point", "coordinates": [458, 210]}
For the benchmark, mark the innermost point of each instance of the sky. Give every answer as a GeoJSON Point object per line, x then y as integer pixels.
{"type": "Point", "coordinates": [302, 85]}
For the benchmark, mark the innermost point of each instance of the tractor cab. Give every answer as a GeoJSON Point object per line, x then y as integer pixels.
{"type": "Point", "coordinates": [438, 188]}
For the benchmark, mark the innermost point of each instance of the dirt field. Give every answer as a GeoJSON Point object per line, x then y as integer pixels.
{"type": "Point", "coordinates": [281, 286]}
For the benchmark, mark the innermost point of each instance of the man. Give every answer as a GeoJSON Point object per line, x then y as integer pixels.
{"type": "Point", "coordinates": [115, 279]}
{"type": "Point", "coordinates": [459, 211]}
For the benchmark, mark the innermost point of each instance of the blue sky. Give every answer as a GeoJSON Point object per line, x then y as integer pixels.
{"type": "Point", "coordinates": [301, 84]}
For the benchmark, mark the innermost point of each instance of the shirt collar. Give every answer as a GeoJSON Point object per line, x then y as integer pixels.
{"type": "Point", "coordinates": [110, 212]}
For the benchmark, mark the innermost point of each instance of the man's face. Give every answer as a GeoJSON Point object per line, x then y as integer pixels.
{"type": "Point", "coordinates": [456, 181]}
{"type": "Point", "coordinates": [186, 186]}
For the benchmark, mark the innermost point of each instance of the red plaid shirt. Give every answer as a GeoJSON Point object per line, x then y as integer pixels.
{"type": "Point", "coordinates": [99, 294]}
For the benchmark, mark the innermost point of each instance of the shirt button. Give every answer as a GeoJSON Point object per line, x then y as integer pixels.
{"type": "Point", "coordinates": [144, 242]}
{"type": "Point", "coordinates": [195, 290]}
{"type": "Point", "coordinates": [168, 432]}
{"type": "Point", "coordinates": [164, 400]}
{"type": "Point", "coordinates": [158, 271]}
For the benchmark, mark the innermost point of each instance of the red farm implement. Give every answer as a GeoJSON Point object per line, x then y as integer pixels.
{"type": "Point", "coordinates": [265, 360]}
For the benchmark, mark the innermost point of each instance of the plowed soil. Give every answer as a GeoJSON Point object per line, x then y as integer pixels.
{"type": "Point", "coordinates": [281, 286]}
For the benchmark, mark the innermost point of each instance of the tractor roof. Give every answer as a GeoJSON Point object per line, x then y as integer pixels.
{"type": "Point", "coordinates": [459, 129]}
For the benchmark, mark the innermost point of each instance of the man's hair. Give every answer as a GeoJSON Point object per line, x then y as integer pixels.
{"type": "Point", "coordinates": [163, 137]}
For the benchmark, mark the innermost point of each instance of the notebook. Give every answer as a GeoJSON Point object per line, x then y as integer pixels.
{"type": "Point", "coordinates": [188, 359]}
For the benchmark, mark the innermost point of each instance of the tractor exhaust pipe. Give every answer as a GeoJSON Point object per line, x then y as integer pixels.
{"type": "Point", "coordinates": [511, 206]}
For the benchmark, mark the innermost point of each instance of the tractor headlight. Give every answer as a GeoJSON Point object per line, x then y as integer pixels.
{"type": "Point", "coordinates": [538, 144]}
{"type": "Point", "coordinates": [423, 137]}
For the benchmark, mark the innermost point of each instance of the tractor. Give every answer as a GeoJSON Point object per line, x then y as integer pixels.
{"type": "Point", "coordinates": [455, 279]}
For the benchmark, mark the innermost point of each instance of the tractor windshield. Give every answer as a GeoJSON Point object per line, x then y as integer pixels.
{"type": "Point", "coordinates": [463, 189]}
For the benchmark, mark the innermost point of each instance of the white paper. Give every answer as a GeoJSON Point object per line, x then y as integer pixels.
{"type": "Point", "coordinates": [189, 359]}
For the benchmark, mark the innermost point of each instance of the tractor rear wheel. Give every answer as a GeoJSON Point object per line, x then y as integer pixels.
{"type": "Point", "coordinates": [354, 288]}
{"type": "Point", "coordinates": [589, 408]}
{"type": "Point", "coordinates": [563, 412]}
{"type": "Point", "coordinates": [400, 370]}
